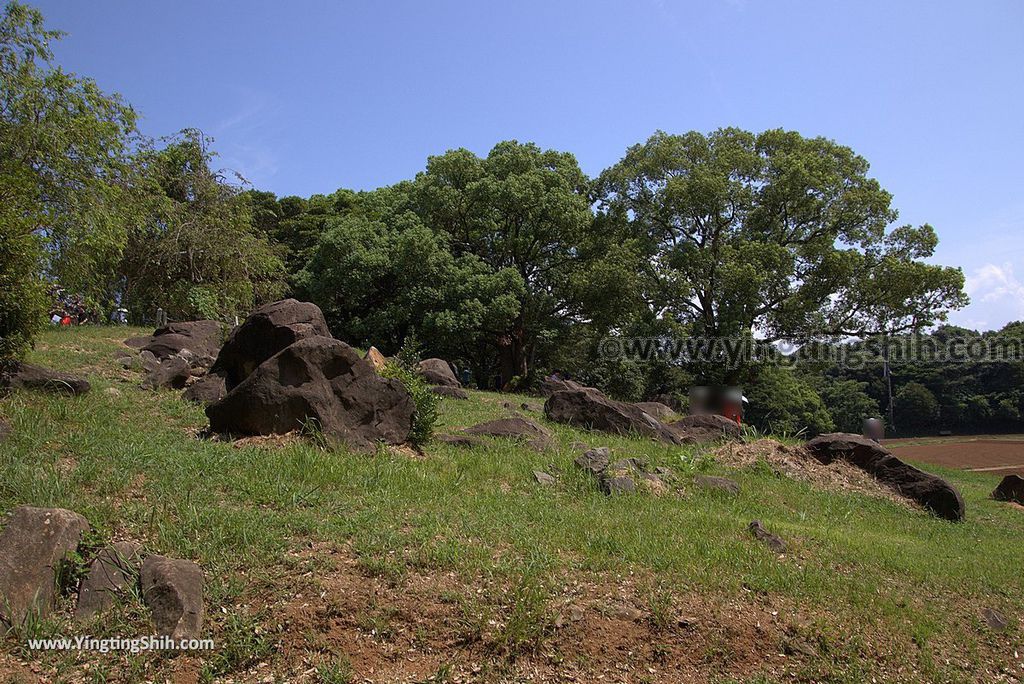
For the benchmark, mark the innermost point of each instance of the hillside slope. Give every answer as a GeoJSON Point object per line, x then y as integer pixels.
{"type": "Point", "coordinates": [456, 565]}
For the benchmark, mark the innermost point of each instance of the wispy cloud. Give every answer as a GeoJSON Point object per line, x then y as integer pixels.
{"type": "Point", "coordinates": [243, 136]}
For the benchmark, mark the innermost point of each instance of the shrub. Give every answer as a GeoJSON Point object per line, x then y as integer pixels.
{"type": "Point", "coordinates": [426, 401]}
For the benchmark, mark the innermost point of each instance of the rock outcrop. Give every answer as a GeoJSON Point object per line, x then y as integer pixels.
{"type": "Point", "coordinates": [109, 579]}
{"type": "Point", "coordinates": [315, 382]}
{"type": "Point", "coordinates": [25, 376]}
{"type": "Point", "coordinates": [1011, 488]}
{"type": "Point", "coordinates": [438, 372]}
{"type": "Point", "coordinates": [34, 544]}
{"type": "Point", "coordinates": [201, 338]}
{"type": "Point", "coordinates": [930, 491]}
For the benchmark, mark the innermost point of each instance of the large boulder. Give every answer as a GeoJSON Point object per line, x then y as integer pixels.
{"type": "Point", "coordinates": [33, 546]}
{"type": "Point", "coordinates": [656, 409]}
{"type": "Point", "coordinates": [704, 427]}
{"type": "Point", "coordinates": [264, 333]}
{"type": "Point", "coordinates": [321, 382]}
{"type": "Point", "coordinates": [438, 372]}
{"type": "Point", "coordinates": [594, 411]}
{"type": "Point", "coordinates": [516, 427]}
{"type": "Point", "coordinates": [173, 590]}
{"type": "Point", "coordinates": [206, 390]}
{"type": "Point", "coordinates": [172, 373]}
{"type": "Point", "coordinates": [550, 385]}
{"type": "Point", "coordinates": [108, 580]}
{"type": "Point", "coordinates": [929, 490]}
{"type": "Point", "coordinates": [20, 375]}
{"type": "Point", "coordinates": [201, 338]}
{"type": "Point", "coordinates": [1010, 489]}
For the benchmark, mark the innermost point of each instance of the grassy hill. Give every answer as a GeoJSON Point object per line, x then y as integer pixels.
{"type": "Point", "coordinates": [326, 566]}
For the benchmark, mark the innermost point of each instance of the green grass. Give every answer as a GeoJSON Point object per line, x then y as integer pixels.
{"type": "Point", "coordinates": [129, 461]}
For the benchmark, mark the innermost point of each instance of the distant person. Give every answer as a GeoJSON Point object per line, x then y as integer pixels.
{"type": "Point", "coordinates": [874, 429]}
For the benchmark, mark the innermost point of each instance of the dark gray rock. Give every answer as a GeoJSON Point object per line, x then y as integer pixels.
{"type": "Point", "coordinates": [207, 390]}
{"type": "Point", "coordinates": [594, 461]}
{"type": "Point", "coordinates": [267, 331]}
{"type": "Point", "coordinates": [323, 382]}
{"type": "Point", "coordinates": [109, 579]}
{"type": "Point", "coordinates": [172, 373]}
{"type": "Point", "coordinates": [148, 361]}
{"type": "Point", "coordinates": [773, 542]}
{"type": "Point", "coordinates": [656, 410]}
{"type": "Point", "coordinates": [930, 491]}
{"type": "Point", "coordinates": [594, 411]}
{"type": "Point", "coordinates": [449, 392]}
{"type": "Point", "coordinates": [544, 479]}
{"type": "Point", "coordinates": [25, 376]}
{"type": "Point", "coordinates": [461, 440]}
{"type": "Point", "coordinates": [173, 590]}
{"type": "Point", "coordinates": [438, 372]}
{"type": "Point", "coordinates": [516, 427]}
{"type": "Point", "coordinates": [34, 544]}
{"type": "Point", "coordinates": [995, 620]}
{"type": "Point", "coordinates": [722, 484]}
{"type": "Point", "coordinates": [1010, 489]}
{"type": "Point", "coordinates": [201, 338]}
{"type": "Point", "coordinates": [706, 427]}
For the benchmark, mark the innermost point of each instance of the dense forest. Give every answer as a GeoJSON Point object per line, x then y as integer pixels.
{"type": "Point", "coordinates": [513, 264]}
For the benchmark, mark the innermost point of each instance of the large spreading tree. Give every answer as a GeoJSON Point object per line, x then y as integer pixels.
{"type": "Point", "coordinates": [65, 197]}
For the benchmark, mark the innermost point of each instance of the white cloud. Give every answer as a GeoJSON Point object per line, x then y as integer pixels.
{"type": "Point", "coordinates": [997, 297]}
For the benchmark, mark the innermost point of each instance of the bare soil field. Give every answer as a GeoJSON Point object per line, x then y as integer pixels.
{"type": "Point", "coordinates": [999, 455]}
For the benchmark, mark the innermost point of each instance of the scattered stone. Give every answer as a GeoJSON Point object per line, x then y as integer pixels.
{"type": "Point", "coordinates": [461, 440]}
{"type": "Point", "coordinates": [706, 427]}
{"type": "Point", "coordinates": [438, 372]}
{"type": "Point", "coordinates": [930, 491]}
{"type": "Point", "coordinates": [629, 475]}
{"type": "Point", "coordinates": [34, 544]}
{"type": "Point", "coordinates": [128, 362]}
{"type": "Point", "coordinates": [624, 611]}
{"type": "Point", "coordinates": [148, 361]}
{"type": "Point", "coordinates": [516, 427]}
{"type": "Point", "coordinates": [1010, 489]}
{"type": "Point", "coordinates": [25, 376]}
{"type": "Point", "coordinates": [656, 409]}
{"type": "Point", "coordinates": [595, 460]}
{"type": "Point", "coordinates": [994, 619]}
{"type": "Point", "coordinates": [722, 484]}
{"type": "Point", "coordinates": [207, 390]}
{"type": "Point", "coordinates": [172, 373]}
{"type": "Point", "coordinates": [449, 392]}
{"type": "Point", "coordinates": [173, 590]}
{"type": "Point", "coordinates": [376, 359]}
{"type": "Point", "coordinates": [774, 542]}
{"type": "Point", "coordinates": [201, 338]}
{"type": "Point", "coordinates": [108, 580]}
{"type": "Point", "coordinates": [322, 382]}
{"type": "Point", "coordinates": [267, 331]}
{"type": "Point", "coordinates": [544, 479]}
{"type": "Point", "coordinates": [594, 411]}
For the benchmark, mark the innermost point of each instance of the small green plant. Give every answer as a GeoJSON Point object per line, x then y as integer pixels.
{"type": "Point", "coordinates": [337, 671]}
{"type": "Point", "coordinates": [426, 401]}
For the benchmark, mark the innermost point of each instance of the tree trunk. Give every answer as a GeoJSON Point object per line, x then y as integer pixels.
{"type": "Point", "coordinates": [512, 354]}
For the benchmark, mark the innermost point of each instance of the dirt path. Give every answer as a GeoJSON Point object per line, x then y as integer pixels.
{"type": "Point", "coordinates": [995, 456]}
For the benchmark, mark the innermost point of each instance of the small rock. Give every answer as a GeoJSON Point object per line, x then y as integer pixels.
{"type": "Point", "coordinates": [994, 619]}
{"type": "Point", "coordinates": [625, 612]}
{"type": "Point", "coordinates": [376, 359]}
{"type": "Point", "coordinates": [449, 392]}
{"type": "Point", "coordinates": [173, 590]}
{"type": "Point", "coordinates": [516, 427]}
{"type": "Point", "coordinates": [129, 362]}
{"type": "Point", "coordinates": [438, 372]}
{"type": "Point", "coordinates": [108, 579]}
{"type": "Point", "coordinates": [33, 546]}
{"type": "Point", "coordinates": [1010, 489]}
{"type": "Point", "coordinates": [774, 542]}
{"type": "Point", "coordinates": [148, 361]}
{"type": "Point", "coordinates": [595, 460]}
{"type": "Point", "coordinates": [173, 372]}
{"type": "Point", "coordinates": [25, 376]}
{"type": "Point", "coordinates": [209, 389]}
{"type": "Point", "coordinates": [544, 479]}
{"type": "Point", "coordinates": [722, 484]}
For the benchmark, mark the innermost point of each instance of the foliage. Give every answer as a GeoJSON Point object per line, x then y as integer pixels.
{"type": "Point", "coordinates": [64, 191]}
{"type": "Point", "coordinates": [783, 403]}
{"type": "Point", "coordinates": [774, 231]}
{"type": "Point", "coordinates": [848, 404]}
{"type": "Point", "coordinates": [425, 400]}
{"type": "Point", "coordinates": [195, 254]}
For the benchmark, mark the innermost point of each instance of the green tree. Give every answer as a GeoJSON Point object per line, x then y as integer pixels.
{"type": "Point", "coordinates": [65, 195]}
{"type": "Point", "coordinates": [195, 253]}
{"type": "Point", "coordinates": [525, 209]}
{"type": "Point", "coordinates": [782, 402]}
{"type": "Point", "coordinates": [916, 407]}
{"type": "Point", "coordinates": [848, 404]}
{"type": "Point", "coordinates": [776, 232]}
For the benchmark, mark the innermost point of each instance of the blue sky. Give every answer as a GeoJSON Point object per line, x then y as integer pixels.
{"type": "Point", "coordinates": [307, 97]}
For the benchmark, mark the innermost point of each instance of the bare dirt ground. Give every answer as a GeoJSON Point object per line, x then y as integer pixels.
{"type": "Point", "coordinates": [998, 455]}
